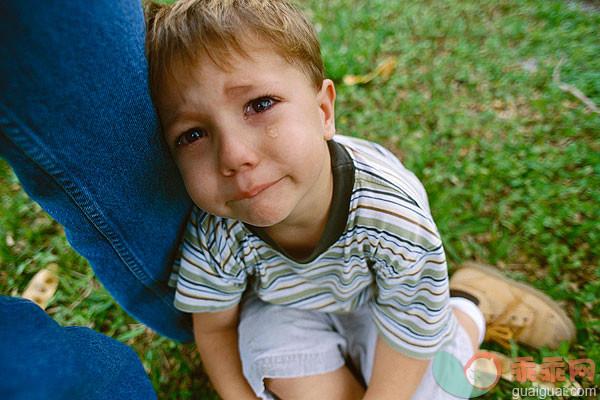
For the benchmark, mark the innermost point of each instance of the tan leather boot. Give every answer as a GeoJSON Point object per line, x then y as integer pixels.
{"type": "Point", "coordinates": [513, 310]}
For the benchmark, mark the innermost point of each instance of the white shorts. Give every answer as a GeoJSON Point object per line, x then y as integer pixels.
{"type": "Point", "coordinates": [283, 342]}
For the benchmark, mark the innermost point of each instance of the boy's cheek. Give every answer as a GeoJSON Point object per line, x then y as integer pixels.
{"type": "Point", "coordinates": [200, 197]}
{"type": "Point", "coordinates": [195, 184]}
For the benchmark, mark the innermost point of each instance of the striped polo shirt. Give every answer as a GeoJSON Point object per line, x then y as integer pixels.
{"type": "Point", "coordinates": [380, 246]}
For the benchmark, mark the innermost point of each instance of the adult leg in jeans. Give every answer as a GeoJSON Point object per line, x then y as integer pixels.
{"type": "Point", "coordinates": [78, 128]}
{"type": "Point", "coordinates": [42, 360]}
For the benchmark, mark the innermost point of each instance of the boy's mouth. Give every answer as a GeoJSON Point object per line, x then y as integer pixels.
{"type": "Point", "coordinates": [254, 191]}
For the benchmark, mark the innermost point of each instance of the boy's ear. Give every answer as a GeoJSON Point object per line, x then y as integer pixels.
{"type": "Point", "coordinates": [326, 101]}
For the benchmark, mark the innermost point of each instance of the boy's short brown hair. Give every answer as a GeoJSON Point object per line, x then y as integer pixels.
{"type": "Point", "coordinates": [219, 28]}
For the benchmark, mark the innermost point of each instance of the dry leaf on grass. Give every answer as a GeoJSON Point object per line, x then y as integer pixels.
{"type": "Point", "coordinates": [384, 69]}
{"type": "Point", "coordinates": [42, 286]}
{"type": "Point", "coordinates": [565, 87]}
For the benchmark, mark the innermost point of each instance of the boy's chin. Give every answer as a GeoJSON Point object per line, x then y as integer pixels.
{"type": "Point", "coordinates": [262, 222]}
{"type": "Point", "coordinates": [264, 219]}
{"type": "Point", "coordinates": [257, 214]}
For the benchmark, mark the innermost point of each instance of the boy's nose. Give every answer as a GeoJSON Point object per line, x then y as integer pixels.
{"type": "Point", "coordinates": [236, 154]}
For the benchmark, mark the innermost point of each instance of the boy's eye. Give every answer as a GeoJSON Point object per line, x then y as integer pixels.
{"type": "Point", "coordinates": [259, 105]}
{"type": "Point", "coordinates": [189, 136]}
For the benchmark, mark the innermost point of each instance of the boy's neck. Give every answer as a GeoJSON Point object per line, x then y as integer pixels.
{"type": "Point", "coordinates": [334, 218]}
{"type": "Point", "coordinates": [299, 241]}
{"type": "Point", "coordinates": [300, 238]}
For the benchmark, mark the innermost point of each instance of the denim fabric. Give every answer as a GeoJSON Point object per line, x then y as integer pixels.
{"type": "Point", "coordinates": [79, 129]}
{"type": "Point", "coordinates": [63, 363]}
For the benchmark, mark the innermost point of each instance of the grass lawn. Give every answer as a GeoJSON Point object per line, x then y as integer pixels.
{"type": "Point", "coordinates": [510, 161]}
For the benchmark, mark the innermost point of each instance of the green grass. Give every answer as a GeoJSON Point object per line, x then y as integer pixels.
{"type": "Point", "coordinates": [511, 163]}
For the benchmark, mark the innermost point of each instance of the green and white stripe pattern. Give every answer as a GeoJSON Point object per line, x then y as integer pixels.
{"type": "Point", "coordinates": [390, 254]}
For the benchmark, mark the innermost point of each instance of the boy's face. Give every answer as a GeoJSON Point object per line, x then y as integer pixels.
{"type": "Point", "coordinates": [250, 141]}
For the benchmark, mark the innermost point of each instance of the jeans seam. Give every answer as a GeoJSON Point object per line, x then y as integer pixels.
{"type": "Point", "coordinates": [80, 200]}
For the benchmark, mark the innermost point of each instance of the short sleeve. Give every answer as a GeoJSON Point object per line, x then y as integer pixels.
{"type": "Point", "coordinates": [410, 306]}
{"type": "Point", "coordinates": [206, 282]}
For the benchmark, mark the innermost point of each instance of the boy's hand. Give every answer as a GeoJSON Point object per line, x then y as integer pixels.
{"type": "Point", "coordinates": [217, 341]}
{"type": "Point", "coordinates": [395, 376]}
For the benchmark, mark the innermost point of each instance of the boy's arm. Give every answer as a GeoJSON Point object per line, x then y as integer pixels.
{"type": "Point", "coordinates": [395, 376]}
{"type": "Point", "coordinates": [217, 341]}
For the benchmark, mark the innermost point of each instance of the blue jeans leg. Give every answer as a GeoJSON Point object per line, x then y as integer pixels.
{"type": "Point", "coordinates": [63, 362]}
{"type": "Point", "coordinates": [78, 128]}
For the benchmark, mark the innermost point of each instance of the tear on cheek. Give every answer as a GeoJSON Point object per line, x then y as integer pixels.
{"type": "Point", "coordinates": [271, 132]}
